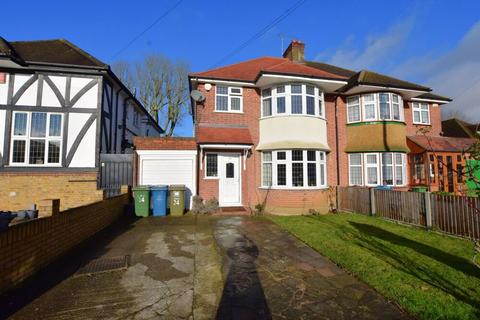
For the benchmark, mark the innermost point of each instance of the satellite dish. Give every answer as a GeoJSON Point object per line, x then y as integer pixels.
{"type": "Point", "coordinates": [197, 96]}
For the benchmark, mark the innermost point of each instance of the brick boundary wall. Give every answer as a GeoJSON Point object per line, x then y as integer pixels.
{"type": "Point", "coordinates": [27, 247]}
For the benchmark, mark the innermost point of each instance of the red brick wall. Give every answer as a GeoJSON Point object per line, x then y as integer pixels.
{"type": "Point", "coordinates": [435, 127]}
{"type": "Point", "coordinates": [27, 247]}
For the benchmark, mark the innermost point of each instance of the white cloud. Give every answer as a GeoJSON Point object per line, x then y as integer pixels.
{"type": "Point", "coordinates": [455, 74]}
{"type": "Point", "coordinates": [376, 49]}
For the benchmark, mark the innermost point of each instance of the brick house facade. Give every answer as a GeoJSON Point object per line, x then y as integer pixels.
{"type": "Point", "coordinates": [295, 128]}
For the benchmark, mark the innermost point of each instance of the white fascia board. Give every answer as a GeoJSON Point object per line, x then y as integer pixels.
{"type": "Point", "coordinates": [165, 152]}
{"type": "Point", "coordinates": [430, 100]}
{"type": "Point", "coordinates": [300, 78]}
{"type": "Point", "coordinates": [387, 88]}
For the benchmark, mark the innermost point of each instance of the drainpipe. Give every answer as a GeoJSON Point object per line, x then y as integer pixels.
{"type": "Point", "coordinates": [336, 142]}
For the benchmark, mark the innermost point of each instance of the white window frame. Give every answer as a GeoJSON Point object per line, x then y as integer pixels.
{"type": "Point", "coordinates": [359, 105]}
{"type": "Point", "coordinates": [27, 138]}
{"type": "Point", "coordinates": [229, 96]}
{"type": "Point", "coordinates": [271, 168]}
{"type": "Point", "coordinates": [362, 103]}
{"type": "Point", "coordinates": [350, 165]}
{"type": "Point", "coordinates": [369, 165]}
{"type": "Point", "coordinates": [206, 165]}
{"type": "Point", "coordinates": [320, 161]}
{"type": "Point", "coordinates": [417, 107]}
{"type": "Point", "coordinates": [319, 107]}
{"type": "Point", "coordinates": [364, 165]}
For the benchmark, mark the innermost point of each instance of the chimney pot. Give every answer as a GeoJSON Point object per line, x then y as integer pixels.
{"type": "Point", "coordinates": [295, 51]}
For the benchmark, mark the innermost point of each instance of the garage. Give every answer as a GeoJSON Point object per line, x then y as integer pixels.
{"type": "Point", "coordinates": [167, 161]}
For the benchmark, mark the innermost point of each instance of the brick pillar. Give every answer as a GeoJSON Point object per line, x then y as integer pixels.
{"type": "Point", "coordinates": [48, 207]}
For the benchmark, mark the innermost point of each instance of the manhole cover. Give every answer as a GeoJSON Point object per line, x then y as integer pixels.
{"type": "Point", "coordinates": [105, 264]}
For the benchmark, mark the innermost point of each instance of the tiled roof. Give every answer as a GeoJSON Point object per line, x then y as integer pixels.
{"type": "Point", "coordinates": [366, 77]}
{"type": "Point", "coordinates": [442, 144]}
{"type": "Point", "coordinates": [223, 135]}
{"type": "Point", "coordinates": [457, 128]}
{"type": "Point", "coordinates": [331, 68]}
{"type": "Point", "coordinates": [433, 96]}
{"type": "Point", "coordinates": [164, 143]}
{"type": "Point", "coordinates": [251, 69]}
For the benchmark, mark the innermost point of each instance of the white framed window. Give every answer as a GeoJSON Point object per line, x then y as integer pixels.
{"type": "Point", "coordinates": [369, 107]}
{"type": "Point", "coordinates": [294, 169]}
{"type": "Point", "coordinates": [136, 117]}
{"type": "Point", "coordinates": [371, 169]}
{"type": "Point", "coordinates": [355, 169]}
{"type": "Point", "coordinates": [228, 99]}
{"type": "Point", "coordinates": [377, 168]}
{"type": "Point", "coordinates": [353, 109]}
{"type": "Point", "coordinates": [211, 165]}
{"type": "Point", "coordinates": [292, 99]}
{"type": "Point", "coordinates": [36, 139]}
{"type": "Point", "coordinates": [382, 106]}
{"type": "Point", "coordinates": [421, 113]}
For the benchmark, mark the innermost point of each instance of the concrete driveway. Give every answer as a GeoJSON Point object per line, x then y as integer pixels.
{"type": "Point", "coordinates": [196, 268]}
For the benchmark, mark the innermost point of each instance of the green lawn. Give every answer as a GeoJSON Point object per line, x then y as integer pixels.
{"type": "Point", "coordinates": [428, 274]}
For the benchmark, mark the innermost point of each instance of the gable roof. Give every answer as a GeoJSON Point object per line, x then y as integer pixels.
{"type": "Point", "coordinates": [224, 135]}
{"type": "Point", "coordinates": [442, 144]}
{"type": "Point", "coordinates": [250, 70]}
{"type": "Point", "coordinates": [57, 51]}
{"type": "Point", "coordinates": [366, 77]}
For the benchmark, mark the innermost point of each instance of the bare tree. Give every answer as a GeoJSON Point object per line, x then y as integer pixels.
{"type": "Point", "coordinates": [161, 86]}
{"type": "Point", "coordinates": [123, 70]}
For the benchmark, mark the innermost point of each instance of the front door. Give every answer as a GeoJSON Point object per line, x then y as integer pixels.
{"type": "Point", "coordinates": [230, 180]}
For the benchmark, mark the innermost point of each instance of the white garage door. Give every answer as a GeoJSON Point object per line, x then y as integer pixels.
{"type": "Point", "coordinates": [164, 167]}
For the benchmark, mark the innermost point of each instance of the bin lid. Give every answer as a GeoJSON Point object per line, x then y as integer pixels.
{"type": "Point", "coordinates": [141, 188]}
{"type": "Point", "coordinates": [159, 188]}
{"type": "Point", "coordinates": [177, 187]}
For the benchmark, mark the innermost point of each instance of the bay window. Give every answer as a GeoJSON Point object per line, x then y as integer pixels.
{"type": "Point", "coordinates": [383, 106]}
{"type": "Point", "coordinates": [377, 168]}
{"type": "Point", "coordinates": [421, 113]}
{"type": "Point", "coordinates": [228, 99]}
{"type": "Point", "coordinates": [290, 169]}
{"type": "Point", "coordinates": [36, 139]}
{"type": "Point", "coordinates": [292, 99]}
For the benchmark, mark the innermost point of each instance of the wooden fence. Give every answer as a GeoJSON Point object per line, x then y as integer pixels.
{"type": "Point", "coordinates": [455, 215]}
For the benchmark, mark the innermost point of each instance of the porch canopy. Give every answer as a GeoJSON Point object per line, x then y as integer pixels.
{"type": "Point", "coordinates": [441, 144]}
{"type": "Point", "coordinates": [224, 138]}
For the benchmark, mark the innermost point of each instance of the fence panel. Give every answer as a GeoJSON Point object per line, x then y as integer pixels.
{"type": "Point", "coordinates": [354, 199]}
{"type": "Point", "coordinates": [407, 207]}
{"type": "Point", "coordinates": [456, 215]}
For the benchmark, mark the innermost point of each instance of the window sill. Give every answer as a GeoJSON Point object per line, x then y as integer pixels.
{"type": "Point", "coordinates": [293, 115]}
{"type": "Point", "coordinates": [22, 165]}
{"type": "Point", "coordinates": [211, 178]}
{"type": "Point", "coordinates": [421, 124]}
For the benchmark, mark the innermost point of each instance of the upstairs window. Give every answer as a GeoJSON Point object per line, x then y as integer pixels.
{"type": "Point", "coordinates": [292, 99]}
{"type": "Point", "coordinates": [383, 106]}
{"type": "Point", "coordinates": [36, 138]}
{"type": "Point", "coordinates": [421, 113]}
{"type": "Point", "coordinates": [228, 99]}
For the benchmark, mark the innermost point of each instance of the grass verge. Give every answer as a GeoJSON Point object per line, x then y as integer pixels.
{"type": "Point", "coordinates": [428, 274]}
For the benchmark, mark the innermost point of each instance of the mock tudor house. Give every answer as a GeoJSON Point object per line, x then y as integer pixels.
{"type": "Point", "coordinates": [280, 131]}
{"type": "Point", "coordinates": [60, 109]}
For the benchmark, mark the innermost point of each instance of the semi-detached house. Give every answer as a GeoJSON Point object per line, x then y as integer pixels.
{"type": "Point", "coordinates": [281, 131]}
{"type": "Point", "coordinates": [60, 110]}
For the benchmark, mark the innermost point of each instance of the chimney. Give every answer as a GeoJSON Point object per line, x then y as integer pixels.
{"type": "Point", "coordinates": [295, 51]}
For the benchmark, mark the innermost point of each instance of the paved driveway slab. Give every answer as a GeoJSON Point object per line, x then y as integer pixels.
{"type": "Point", "coordinates": [203, 268]}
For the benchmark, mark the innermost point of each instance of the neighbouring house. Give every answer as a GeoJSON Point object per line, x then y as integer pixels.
{"type": "Point", "coordinates": [61, 109]}
{"type": "Point", "coordinates": [279, 131]}
{"type": "Point", "coordinates": [458, 128]}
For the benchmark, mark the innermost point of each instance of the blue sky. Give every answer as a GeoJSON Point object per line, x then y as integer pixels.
{"type": "Point", "coordinates": [436, 43]}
